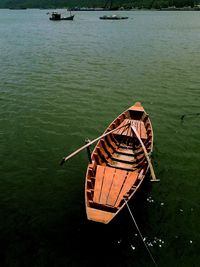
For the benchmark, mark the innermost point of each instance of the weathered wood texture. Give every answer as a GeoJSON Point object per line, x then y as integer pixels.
{"type": "Point", "coordinates": [112, 184]}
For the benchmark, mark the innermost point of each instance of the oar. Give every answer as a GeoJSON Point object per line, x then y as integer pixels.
{"type": "Point", "coordinates": [154, 179]}
{"type": "Point", "coordinates": [90, 143]}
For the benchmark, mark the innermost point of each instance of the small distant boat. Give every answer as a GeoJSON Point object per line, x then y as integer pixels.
{"type": "Point", "coordinates": [57, 16]}
{"type": "Point", "coordinates": [113, 17]}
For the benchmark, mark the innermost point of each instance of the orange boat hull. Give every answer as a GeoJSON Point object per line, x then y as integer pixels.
{"type": "Point", "coordinates": [118, 165]}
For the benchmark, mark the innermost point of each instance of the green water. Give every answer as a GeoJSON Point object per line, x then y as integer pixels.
{"type": "Point", "coordinates": [62, 82]}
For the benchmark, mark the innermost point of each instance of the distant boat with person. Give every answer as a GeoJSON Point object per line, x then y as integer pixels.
{"type": "Point", "coordinates": [57, 16]}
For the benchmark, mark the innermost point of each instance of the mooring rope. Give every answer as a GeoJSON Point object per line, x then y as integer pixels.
{"type": "Point", "coordinates": [140, 233]}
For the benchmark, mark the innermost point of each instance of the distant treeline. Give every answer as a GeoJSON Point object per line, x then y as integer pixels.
{"type": "Point", "coordinates": [113, 4]}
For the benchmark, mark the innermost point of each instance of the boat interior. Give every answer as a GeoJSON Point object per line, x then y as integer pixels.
{"type": "Point", "coordinates": [118, 162]}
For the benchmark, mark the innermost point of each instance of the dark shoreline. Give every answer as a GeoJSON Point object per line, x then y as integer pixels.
{"type": "Point", "coordinates": [101, 9]}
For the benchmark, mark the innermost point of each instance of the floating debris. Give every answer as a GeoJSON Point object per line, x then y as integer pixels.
{"type": "Point", "coordinates": [150, 199]}
{"type": "Point", "coordinates": [162, 204]}
{"type": "Point", "coordinates": [149, 244]}
{"type": "Point", "coordinates": [133, 248]}
{"type": "Point", "coordinates": [119, 241]}
{"type": "Point", "coordinates": [159, 241]}
{"type": "Point", "coordinates": [190, 241]}
{"type": "Point", "coordinates": [181, 210]}
{"type": "Point", "coordinates": [155, 242]}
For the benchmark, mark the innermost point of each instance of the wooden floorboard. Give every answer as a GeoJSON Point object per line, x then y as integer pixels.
{"type": "Point", "coordinates": [131, 178]}
{"type": "Point", "coordinates": [98, 182]}
{"type": "Point", "coordinates": [112, 184]}
{"type": "Point", "coordinates": [117, 183]}
{"type": "Point", "coordinates": [107, 183]}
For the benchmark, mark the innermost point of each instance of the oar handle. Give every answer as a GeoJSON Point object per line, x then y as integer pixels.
{"type": "Point", "coordinates": [90, 143]}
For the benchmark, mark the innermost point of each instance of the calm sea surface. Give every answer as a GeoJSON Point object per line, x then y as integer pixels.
{"type": "Point", "coordinates": [62, 82]}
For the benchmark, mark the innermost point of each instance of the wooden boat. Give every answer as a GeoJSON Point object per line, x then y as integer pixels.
{"type": "Point", "coordinates": [119, 164]}
{"type": "Point", "coordinates": [57, 16]}
{"type": "Point", "coordinates": [113, 17]}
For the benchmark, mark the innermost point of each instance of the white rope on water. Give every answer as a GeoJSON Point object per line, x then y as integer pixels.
{"type": "Point", "coordinates": [140, 233]}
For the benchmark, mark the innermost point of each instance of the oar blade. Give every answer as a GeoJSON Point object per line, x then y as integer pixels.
{"type": "Point", "coordinates": [62, 161]}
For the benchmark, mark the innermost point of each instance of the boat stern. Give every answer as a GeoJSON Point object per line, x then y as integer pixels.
{"type": "Point", "coordinates": [99, 215]}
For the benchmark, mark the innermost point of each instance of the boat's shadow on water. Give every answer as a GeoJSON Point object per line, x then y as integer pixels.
{"type": "Point", "coordinates": [117, 243]}
{"type": "Point", "coordinates": [69, 239]}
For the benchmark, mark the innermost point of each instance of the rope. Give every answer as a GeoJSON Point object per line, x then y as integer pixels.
{"type": "Point", "coordinates": [151, 256]}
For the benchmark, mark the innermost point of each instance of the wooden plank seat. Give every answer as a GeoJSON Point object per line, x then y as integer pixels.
{"type": "Point", "coordinates": [112, 184]}
{"type": "Point", "coordinates": [130, 152]}
{"type": "Point", "coordinates": [126, 131]}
